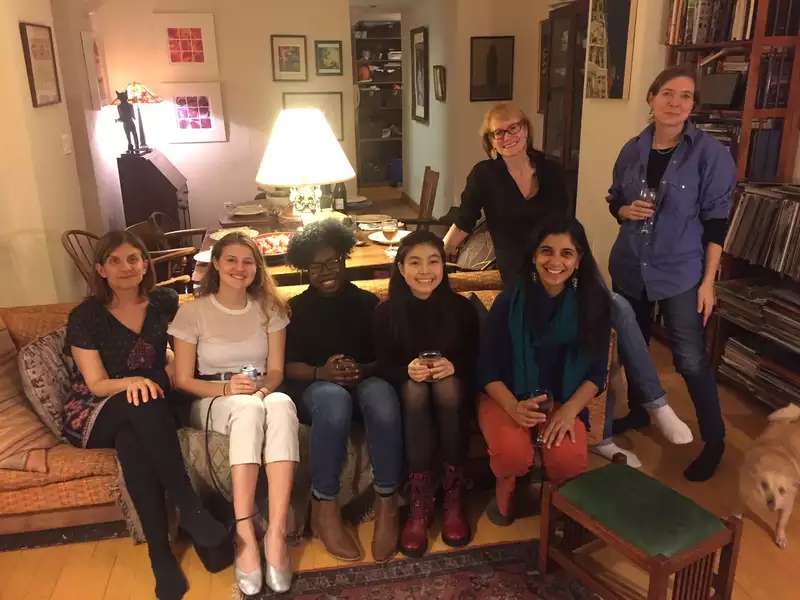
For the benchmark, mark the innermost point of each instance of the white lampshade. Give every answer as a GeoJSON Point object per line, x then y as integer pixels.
{"type": "Point", "coordinates": [303, 150]}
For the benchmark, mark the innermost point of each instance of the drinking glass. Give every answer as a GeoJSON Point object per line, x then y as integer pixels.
{"type": "Point", "coordinates": [649, 195]}
{"type": "Point", "coordinates": [389, 229]}
{"type": "Point", "coordinates": [429, 358]}
{"type": "Point", "coordinates": [545, 407]}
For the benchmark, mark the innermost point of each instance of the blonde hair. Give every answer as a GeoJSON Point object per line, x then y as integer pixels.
{"type": "Point", "coordinates": [503, 110]}
{"type": "Point", "coordinates": [263, 287]}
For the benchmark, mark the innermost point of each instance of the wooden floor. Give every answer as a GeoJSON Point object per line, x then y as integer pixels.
{"type": "Point", "coordinates": [118, 570]}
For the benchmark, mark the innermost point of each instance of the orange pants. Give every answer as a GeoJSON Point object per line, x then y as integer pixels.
{"type": "Point", "coordinates": [511, 448]}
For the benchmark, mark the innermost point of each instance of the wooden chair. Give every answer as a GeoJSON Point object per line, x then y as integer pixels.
{"type": "Point", "coordinates": [653, 526]}
{"type": "Point", "coordinates": [477, 251]}
{"type": "Point", "coordinates": [177, 238]}
{"type": "Point", "coordinates": [80, 246]}
{"type": "Point", "coordinates": [427, 197]}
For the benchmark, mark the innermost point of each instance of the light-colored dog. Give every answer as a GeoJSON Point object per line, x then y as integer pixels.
{"type": "Point", "coordinates": [770, 475]}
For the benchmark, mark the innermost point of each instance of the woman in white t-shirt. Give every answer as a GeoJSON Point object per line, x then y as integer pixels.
{"type": "Point", "coordinates": [237, 320]}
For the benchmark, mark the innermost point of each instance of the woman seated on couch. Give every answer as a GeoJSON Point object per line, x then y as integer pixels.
{"type": "Point", "coordinates": [329, 368]}
{"type": "Point", "coordinates": [424, 315]}
{"type": "Point", "coordinates": [546, 337]}
{"type": "Point", "coordinates": [239, 320]}
{"type": "Point", "coordinates": [119, 397]}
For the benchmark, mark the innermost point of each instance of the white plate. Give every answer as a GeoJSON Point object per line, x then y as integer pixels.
{"type": "Point", "coordinates": [379, 238]}
{"type": "Point", "coordinates": [248, 210]}
{"type": "Point", "coordinates": [221, 233]}
{"type": "Point", "coordinates": [204, 256]}
{"type": "Point", "coordinates": [357, 199]}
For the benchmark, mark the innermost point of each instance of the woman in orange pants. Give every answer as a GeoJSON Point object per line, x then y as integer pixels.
{"type": "Point", "coordinates": [546, 339]}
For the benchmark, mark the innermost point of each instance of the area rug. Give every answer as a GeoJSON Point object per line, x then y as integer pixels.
{"type": "Point", "coordinates": [498, 572]}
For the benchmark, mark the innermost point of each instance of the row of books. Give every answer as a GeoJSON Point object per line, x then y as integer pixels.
{"type": "Point", "coordinates": [774, 76]}
{"type": "Point", "coordinates": [783, 17]}
{"type": "Point", "coordinates": [765, 228]}
{"type": "Point", "coordinates": [764, 149]}
{"type": "Point", "coordinates": [726, 131]}
{"type": "Point", "coordinates": [704, 21]}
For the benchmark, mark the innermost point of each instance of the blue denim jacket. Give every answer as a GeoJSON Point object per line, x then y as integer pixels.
{"type": "Point", "coordinates": [696, 187]}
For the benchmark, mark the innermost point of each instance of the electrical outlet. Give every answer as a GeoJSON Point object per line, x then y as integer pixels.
{"type": "Point", "coordinates": [66, 144]}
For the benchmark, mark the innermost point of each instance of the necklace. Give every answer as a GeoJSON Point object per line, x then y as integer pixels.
{"type": "Point", "coordinates": [665, 151]}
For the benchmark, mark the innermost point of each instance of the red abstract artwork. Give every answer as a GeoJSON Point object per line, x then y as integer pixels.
{"type": "Point", "coordinates": [185, 45]}
{"type": "Point", "coordinates": [193, 112]}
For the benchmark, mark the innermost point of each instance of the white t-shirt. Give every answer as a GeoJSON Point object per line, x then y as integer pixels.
{"type": "Point", "coordinates": [226, 339]}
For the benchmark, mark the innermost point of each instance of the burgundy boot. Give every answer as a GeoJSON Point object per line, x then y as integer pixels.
{"type": "Point", "coordinates": [455, 528]}
{"type": "Point", "coordinates": [414, 537]}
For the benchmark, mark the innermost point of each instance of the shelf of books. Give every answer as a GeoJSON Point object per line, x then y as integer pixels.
{"type": "Point", "coordinates": [747, 54]}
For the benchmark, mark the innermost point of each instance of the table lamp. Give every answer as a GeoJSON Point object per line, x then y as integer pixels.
{"type": "Point", "coordinates": [139, 94]}
{"type": "Point", "coordinates": [303, 154]}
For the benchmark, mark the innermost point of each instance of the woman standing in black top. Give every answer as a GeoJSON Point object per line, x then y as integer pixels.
{"type": "Point", "coordinates": [423, 314]}
{"type": "Point", "coordinates": [118, 397]}
{"type": "Point", "coordinates": [516, 187]}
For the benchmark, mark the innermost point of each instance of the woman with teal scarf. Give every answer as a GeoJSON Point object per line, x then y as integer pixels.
{"type": "Point", "coordinates": [546, 337]}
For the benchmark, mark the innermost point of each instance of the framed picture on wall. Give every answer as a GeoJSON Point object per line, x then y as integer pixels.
{"type": "Point", "coordinates": [610, 49]}
{"type": "Point", "coordinates": [40, 62]}
{"type": "Point", "coordinates": [439, 83]}
{"type": "Point", "coordinates": [329, 103]}
{"type": "Point", "coordinates": [544, 62]}
{"type": "Point", "coordinates": [96, 74]}
{"type": "Point", "coordinates": [491, 68]}
{"type": "Point", "coordinates": [419, 74]}
{"type": "Point", "coordinates": [189, 45]}
{"type": "Point", "coordinates": [194, 112]}
{"type": "Point", "coordinates": [328, 54]}
{"type": "Point", "coordinates": [289, 60]}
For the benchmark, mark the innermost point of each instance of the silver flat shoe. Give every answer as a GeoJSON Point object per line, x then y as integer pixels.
{"type": "Point", "coordinates": [249, 583]}
{"type": "Point", "coordinates": [278, 580]}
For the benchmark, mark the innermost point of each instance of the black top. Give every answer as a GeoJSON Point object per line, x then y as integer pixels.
{"type": "Point", "coordinates": [322, 326]}
{"type": "Point", "coordinates": [509, 215]}
{"type": "Point", "coordinates": [656, 165]}
{"type": "Point", "coordinates": [123, 352]}
{"type": "Point", "coordinates": [449, 326]}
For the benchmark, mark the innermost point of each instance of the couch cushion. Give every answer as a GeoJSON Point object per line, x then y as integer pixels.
{"type": "Point", "coordinates": [23, 437]}
{"type": "Point", "coordinates": [66, 463]}
{"type": "Point", "coordinates": [26, 323]}
{"type": "Point", "coordinates": [45, 373]}
{"type": "Point", "coordinates": [86, 491]}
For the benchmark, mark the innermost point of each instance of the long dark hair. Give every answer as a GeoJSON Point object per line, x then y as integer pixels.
{"type": "Point", "coordinates": [594, 303]}
{"type": "Point", "coordinates": [400, 295]}
{"type": "Point", "coordinates": [105, 246]}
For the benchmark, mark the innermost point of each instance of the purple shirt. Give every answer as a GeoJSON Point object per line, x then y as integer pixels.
{"type": "Point", "coordinates": [695, 187]}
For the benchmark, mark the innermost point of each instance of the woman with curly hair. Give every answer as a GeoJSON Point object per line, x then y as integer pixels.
{"type": "Point", "coordinates": [330, 371]}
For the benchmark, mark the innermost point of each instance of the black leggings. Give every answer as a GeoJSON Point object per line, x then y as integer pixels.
{"type": "Point", "coordinates": [445, 398]}
{"type": "Point", "coordinates": [147, 445]}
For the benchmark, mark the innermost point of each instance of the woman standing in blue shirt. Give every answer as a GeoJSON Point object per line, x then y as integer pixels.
{"type": "Point", "coordinates": [672, 258]}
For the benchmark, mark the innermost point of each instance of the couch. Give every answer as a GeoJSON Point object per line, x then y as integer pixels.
{"type": "Point", "coordinates": [80, 486]}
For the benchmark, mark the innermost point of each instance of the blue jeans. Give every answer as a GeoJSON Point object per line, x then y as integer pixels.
{"type": "Point", "coordinates": [329, 408]}
{"type": "Point", "coordinates": [686, 338]}
{"type": "Point", "coordinates": [643, 383]}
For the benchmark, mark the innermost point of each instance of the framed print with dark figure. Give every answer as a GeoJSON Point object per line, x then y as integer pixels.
{"type": "Point", "coordinates": [419, 74]}
{"type": "Point", "coordinates": [289, 60]}
{"type": "Point", "coordinates": [491, 66]}
{"type": "Point", "coordinates": [439, 83]}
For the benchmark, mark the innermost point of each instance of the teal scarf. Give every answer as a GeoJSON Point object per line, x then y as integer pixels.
{"type": "Point", "coordinates": [562, 330]}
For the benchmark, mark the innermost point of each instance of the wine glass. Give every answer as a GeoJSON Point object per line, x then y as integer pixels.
{"type": "Point", "coordinates": [649, 195]}
{"type": "Point", "coordinates": [389, 229]}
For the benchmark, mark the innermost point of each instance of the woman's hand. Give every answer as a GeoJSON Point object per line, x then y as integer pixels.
{"type": "Point", "coordinates": [241, 384]}
{"type": "Point", "coordinates": [328, 371]}
{"type": "Point", "coordinates": [527, 414]}
{"type": "Point", "coordinates": [706, 300]}
{"type": "Point", "coordinates": [442, 368]}
{"type": "Point", "coordinates": [142, 389]}
{"type": "Point", "coordinates": [560, 425]}
{"type": "Point", "coordinates": [418, 371]}
{"type": "Point", "coordinates": [636, 211]}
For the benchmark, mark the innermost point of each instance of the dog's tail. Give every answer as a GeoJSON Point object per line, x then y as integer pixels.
{"type": "Point", "coordinates": [790, 412]}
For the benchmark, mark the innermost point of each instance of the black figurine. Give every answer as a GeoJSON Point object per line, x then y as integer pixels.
{"type": "Point", "coordinates": [126, 117]}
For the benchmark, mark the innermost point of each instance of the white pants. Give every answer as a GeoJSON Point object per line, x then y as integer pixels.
{"type": "Point", "coordinates": [258, 430]}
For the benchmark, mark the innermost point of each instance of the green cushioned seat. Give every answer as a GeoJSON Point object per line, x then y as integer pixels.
{"type": "Point", "coordinates": [641, 510]}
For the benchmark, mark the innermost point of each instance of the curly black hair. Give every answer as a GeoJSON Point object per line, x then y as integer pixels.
{"type": "Point", "coordinates": [315, 236]}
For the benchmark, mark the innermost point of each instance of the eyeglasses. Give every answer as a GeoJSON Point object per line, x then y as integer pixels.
{"type": "Point", "coordinates": [331, 265]}
{"type": "Point", "coordinates": [512, 129]}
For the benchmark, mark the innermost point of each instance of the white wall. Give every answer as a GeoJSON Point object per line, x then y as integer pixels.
{"type": "Point", "coordinates": [39, 186]}
{"type": "Point", "coordinates": [218, 172]}
{"type": "Point", "coordinates": [607, 124]}
{"type": "Point", "coordinates": [451, 137]}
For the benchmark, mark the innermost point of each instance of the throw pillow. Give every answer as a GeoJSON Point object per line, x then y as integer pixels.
{"type": "Point", "coordinates": [24, 439]}
{"type": "Point", "coordinates": [45, 373]}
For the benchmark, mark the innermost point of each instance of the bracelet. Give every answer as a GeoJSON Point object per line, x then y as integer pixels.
{"type": "Point", "coordinates": [225, 389]}
{"type": "Point", "coordinates": [264, 391]}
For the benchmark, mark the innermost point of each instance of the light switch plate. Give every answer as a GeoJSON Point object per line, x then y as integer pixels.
{"type": "Point", "coordinates": [66, 144]}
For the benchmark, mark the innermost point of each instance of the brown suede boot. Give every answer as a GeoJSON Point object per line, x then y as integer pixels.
{"type": "Point", "coordinates": [387, 528]}
{"type": "Point", "coordinates": [326, 524]}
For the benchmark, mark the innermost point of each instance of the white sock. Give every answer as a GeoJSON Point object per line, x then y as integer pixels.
{"type": "Point", "coordinates": [609, 449]}
{"type": "Point", "coordinates": [670, 425]}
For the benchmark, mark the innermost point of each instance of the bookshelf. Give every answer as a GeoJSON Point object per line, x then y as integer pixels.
{"type": "Point", "coordinates": [754, 334]}
{"type": "Point", "coordinates": [377, 72]}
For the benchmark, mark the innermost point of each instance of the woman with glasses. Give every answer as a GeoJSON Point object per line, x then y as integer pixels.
{"type": "Point", "coordinates": [516, 187]}
{"type": "Point", "coordinates": [329, 367]}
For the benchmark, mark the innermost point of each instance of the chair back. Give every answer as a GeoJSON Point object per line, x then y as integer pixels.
{"type": "Point", "coordinates": [150, 234]}
{"type": "Point", "coordinates": [80, 246]}
{"type": "Point", "coordinates": [427, 197]}
{"type": "Point", "coordinates": [162, 221]}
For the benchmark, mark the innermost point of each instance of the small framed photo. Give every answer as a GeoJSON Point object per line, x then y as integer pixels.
{"type": "Point", "coordinates": [289, 60]}
{"type": "Point", "coordinates": [195, 112]}
{"type": "Point", "coordinates": [328, 54]}
{"type": "Point", "coordinates": [40, 62]}
{"type": "Point", "coordinates": [329, 103]}
{"type": "Point", "coordinates": [491, 66]}
{"type": "Point", "coordinates": [419, 74]}
{"type": "Point", "coordinates": [440, 82]}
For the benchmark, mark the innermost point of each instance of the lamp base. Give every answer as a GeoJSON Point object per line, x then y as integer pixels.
{"type": "Point", "coordinates": [305, 201]}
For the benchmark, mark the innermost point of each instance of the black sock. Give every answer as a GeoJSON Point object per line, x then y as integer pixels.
{"type": "Point", "coordinates": [704, 466]}
{"type": "Point", "coordinates": [170, 581]}
{"type": "Point", "coordinates": [635, 419]}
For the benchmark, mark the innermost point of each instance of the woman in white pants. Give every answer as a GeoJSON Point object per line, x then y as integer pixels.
{"type": "Point", "coordinates": [239, 320]}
